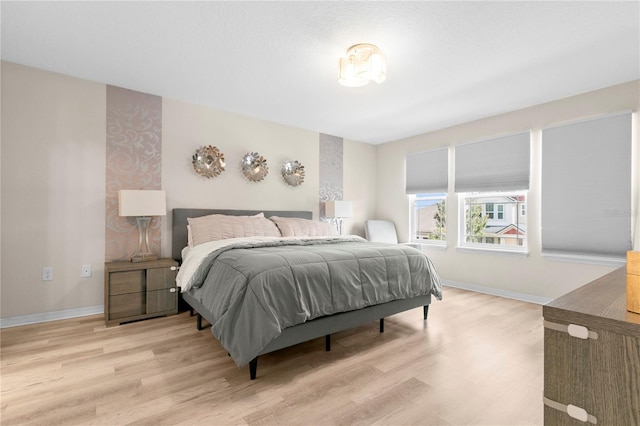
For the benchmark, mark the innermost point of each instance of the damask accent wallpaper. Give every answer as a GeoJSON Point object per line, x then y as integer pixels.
{"type": "Point", "coordinates": [330, 169]}
{"type": "Point", "coordinates": [134, 161]}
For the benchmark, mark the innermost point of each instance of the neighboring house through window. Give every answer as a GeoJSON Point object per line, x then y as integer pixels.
{"type": "Point", "coordinates": [494, 219]}
{"type": "Point", "coordinates": [428, 218]}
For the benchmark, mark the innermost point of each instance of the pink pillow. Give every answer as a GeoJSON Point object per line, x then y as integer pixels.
{"type": "Point", "coordinates": [221, 227]}
{"type": "Point", "coordinates": [296, 227]}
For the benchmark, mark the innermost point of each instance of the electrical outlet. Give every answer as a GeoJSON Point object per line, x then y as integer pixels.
{"type": "Point", "coordinates": [47, 273]}
{"type": "Point", "coordinates": [86, 271]}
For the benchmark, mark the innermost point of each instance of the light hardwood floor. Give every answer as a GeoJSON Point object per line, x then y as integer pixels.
{"type": "Point", "coordinates": [478, 360]}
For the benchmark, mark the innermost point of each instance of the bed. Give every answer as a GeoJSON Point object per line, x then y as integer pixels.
{"type": "Point", "coordinates": [245, 320]}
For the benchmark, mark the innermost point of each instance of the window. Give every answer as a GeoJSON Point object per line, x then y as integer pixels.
{"type": "Point", "coordinates": [493, 219]}
{"type": "Point", "coordinates": [427, 181]}
{"type": "Point", "coordinates": [493, 198]}
{"type": "Point", "coordinates": [494, 211]}
{"type": "Point", "coordinates": [428, 219]}
{"type": "Point", "coordinates": [488, 210]}
{"type": "Point", "coordinates": [586, 204]}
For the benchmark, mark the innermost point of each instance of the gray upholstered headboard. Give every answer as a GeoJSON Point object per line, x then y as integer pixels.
{"type": "Point", "coordinates": [179, 223]}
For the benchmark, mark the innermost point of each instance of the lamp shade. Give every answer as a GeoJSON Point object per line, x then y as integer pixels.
{"type": "Point", "coordinates": [338, 208]}
{"type": "Point", "coordinates": [141, 203]}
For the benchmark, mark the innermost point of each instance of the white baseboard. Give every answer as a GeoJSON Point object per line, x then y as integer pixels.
{"type": "Point", "coordinates": [498, 292]}
{"type": "Point", "coordinates": [99, 309]}
{"type": "Point", "coordinates": [50, 316]}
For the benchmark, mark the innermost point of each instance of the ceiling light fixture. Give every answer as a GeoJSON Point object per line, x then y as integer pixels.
{"type": "Point", "coordinates": [364, 63]}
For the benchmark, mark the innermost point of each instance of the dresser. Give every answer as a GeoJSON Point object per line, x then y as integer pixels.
{"type": "Point", "coordinates": [592, 356]}
{"type": "Point", "coordinates": [135, 291]}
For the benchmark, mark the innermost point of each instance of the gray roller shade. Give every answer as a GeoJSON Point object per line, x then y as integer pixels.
{"type": "Point", "coordinates": [498, 164]}
{"type": "Point", "coordinates": [586, 187]}
{"type": "Point", "coordinates": [428, 172]}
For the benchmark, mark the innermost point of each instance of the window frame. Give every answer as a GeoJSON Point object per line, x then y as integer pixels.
{"type": "Point", "coordinates": [490, 247]}
{"type": "Point", "coordinates": [413, 198]}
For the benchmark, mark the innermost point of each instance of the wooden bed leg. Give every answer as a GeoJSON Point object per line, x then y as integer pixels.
{"type": "Point", "coordinates": [253, 367]}
{"type": "Point", "coordinates": [191, 312]}
{"type": "Point", "coordinates": [426, 311]}
{"type": "Point", "coordinates": [199, 322]}
{"type": "Point", "coordinates": [381, 325]}
{"type": "Point", "coordinates": [327, 343]}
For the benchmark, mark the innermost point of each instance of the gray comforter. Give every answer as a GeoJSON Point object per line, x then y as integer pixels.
{"type": "Point", "coordinates": [255, 290]}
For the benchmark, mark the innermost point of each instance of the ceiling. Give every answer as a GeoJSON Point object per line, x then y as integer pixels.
{"type": "Point", "coordinates": [447, 62]}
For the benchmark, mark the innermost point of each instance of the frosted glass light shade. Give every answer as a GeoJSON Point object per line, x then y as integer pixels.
{"type": "Point", "coordinates": [363, 63]}
{"type": "Point", "coordinates": [338, 208]}
{"type": "Point", "coordinates": [141, 203]}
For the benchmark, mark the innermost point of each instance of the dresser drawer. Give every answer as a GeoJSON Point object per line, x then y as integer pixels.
{"type": "Point", "coordinates": [594, 378]}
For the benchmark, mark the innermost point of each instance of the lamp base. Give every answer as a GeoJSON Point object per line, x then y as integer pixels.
{"type": "Point", "coordinates": [143, 254]}
{"type": "Point", "coordinates": [144, 257]}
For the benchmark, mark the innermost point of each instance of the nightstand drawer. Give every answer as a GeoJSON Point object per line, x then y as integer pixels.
{"type": "Point", "coordinates": [126, 305]}
{"type": "Point", "coordinates": [126, 282]}
{"type": "Point", "coordinates": [161, 278]}
{"type": "Point", "coordinates": [162, 300]}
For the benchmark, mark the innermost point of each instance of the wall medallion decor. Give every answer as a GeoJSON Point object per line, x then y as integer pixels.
{"type": "Point", "coordinates": [208, 161]}
{"type": "Point", "coordinates": [254, 166]}
{"type": "Point", "coordinates": [293, 173]}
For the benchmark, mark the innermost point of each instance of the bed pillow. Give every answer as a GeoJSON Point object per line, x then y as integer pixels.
{"type": "Point", "coordinates": [297, 227]}
{"type": "Point", "coordinates": [221, 227]}
{"type": "Point", "coordinates": [190, 235]}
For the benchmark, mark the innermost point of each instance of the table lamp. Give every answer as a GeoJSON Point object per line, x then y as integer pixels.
{"type": "Point", "coordinates": [142, 204]}
{"type": "Point", "coordinates": [338, 209]}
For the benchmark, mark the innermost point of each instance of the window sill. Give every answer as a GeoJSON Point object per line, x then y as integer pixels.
{"type": "Point", "coordinates": [499, 252]}
{"type": "Point", "coordinates": [585, 259]}
{"type": "Point", "coordinates": [429, 246]}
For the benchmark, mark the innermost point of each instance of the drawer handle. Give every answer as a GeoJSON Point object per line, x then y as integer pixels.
{"type": "Point", "coordinates": [577, 413]}
{"type": "Point", "coordinates": [172, 290]}
{"type": "Point", "coordinates": [573, 330]}
{"type": "Point", "coordinates": [175, 268]}
{"type": "Point", "coordinates": [578, 331]}
{"type": "Point", "coordinates": [572, 410]}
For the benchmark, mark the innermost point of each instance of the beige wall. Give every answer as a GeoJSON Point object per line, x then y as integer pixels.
{"type": "Point", "coordinates": [186, 127]}
{"type": "Point", "coordinates": [531, 275]}
{"type": "Point", "coordinates": [53, 190]}
{"type": "Point", "coordinates": [359, 184]}
{"type": "Point", "coordinates": [53, 182]}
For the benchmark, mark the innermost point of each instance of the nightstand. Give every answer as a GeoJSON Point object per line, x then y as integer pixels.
{"type": "Point", "coordinates": [141, 290]}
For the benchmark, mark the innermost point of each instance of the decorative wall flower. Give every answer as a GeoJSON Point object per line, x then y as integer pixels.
{"type": "Point", "coordinates": [293, 173]}
{"type": "Point", "coordinates": [254, 166]}
{"type": "Point", "coordinates": [208, 161]}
